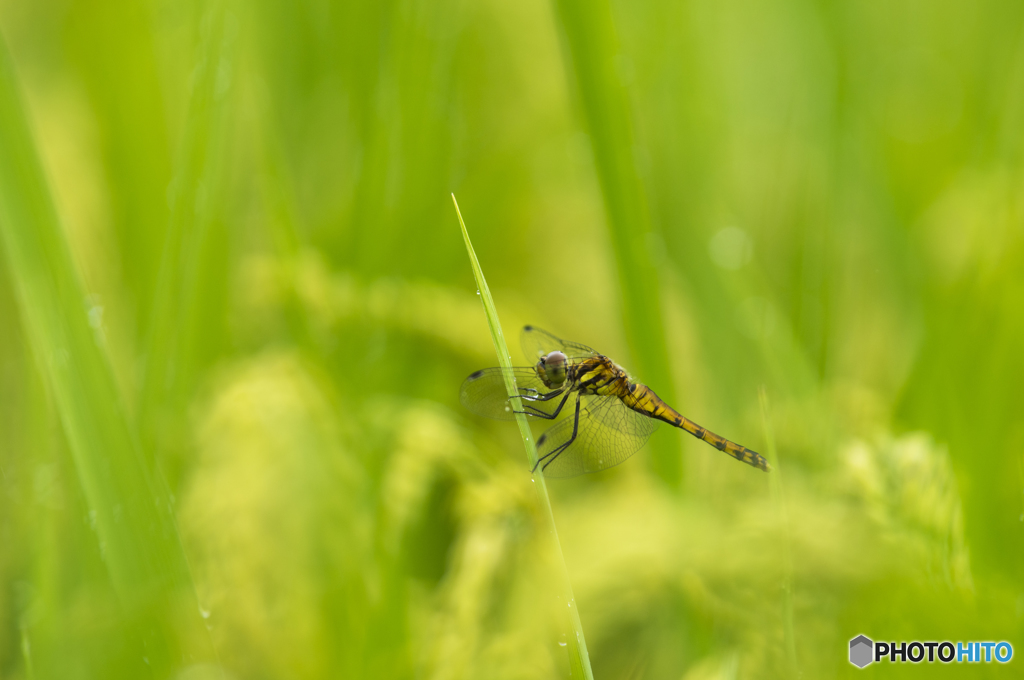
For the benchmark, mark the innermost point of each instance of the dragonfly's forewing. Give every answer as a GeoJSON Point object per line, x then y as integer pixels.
{"type": "Point", "coordinates": [607, 434]}
{"type": "Point", "coordinates": [537, 342]}
{"type": "Point", "coordinates": [484, 392]}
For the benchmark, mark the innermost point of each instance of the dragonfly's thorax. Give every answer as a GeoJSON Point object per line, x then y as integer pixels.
{"type": "Point", "coordinates": [599, 375]}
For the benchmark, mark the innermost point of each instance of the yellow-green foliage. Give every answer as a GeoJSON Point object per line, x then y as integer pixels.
{"type": "Point", "coordinates": [236, 309]}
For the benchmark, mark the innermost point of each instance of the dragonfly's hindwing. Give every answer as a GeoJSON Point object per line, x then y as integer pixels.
{"type": "Point", "coordinates": [606, 434]}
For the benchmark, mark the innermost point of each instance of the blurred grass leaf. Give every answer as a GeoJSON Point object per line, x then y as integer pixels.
{"type": "Point", "coordinates": [128, 505]}
{"type": "Point", "coordinates": [190, 278]}
{"type": "Point", "coordinates": [602, 73]}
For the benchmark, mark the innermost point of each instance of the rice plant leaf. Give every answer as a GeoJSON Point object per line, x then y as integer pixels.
{"type": "Point", "coordinates": [172, 345]}
{"type": "Point", "coordinates": [579, 659]}
{"type": "Point", "coordinates": [779, 500]}
{"type": "Point", "coordinates": [595, 63]}
{"type": "Point", "coordinates": [129, 507]}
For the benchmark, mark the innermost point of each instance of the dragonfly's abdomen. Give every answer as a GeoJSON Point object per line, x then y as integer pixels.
{"type": "Point", "coordinates": [642, 398]}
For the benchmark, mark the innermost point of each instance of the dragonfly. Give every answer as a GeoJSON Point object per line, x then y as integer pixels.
{"type": "Point", "coordinates": [610, 415]}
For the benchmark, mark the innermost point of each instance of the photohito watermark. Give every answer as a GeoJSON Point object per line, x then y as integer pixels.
{"type": "Point", "coordinates": [864, 650]}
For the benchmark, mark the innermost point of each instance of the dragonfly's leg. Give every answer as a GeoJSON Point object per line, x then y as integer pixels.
{"type": "Point", "coordinates": [552, 455]}
{"type": "Point", "coordinates": [547, 396]}
{"type": "Point", "coordinates": [534, 411]}
{"type": "Point", "coordinates": [537, 413]}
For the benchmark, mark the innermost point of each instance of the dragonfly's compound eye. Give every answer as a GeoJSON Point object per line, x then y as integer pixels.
{"type": "Point", "coordinates": [551, 369]}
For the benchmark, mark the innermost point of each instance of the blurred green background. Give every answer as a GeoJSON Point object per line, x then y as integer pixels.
{"type": "Point", "coordinates": [236, 309]}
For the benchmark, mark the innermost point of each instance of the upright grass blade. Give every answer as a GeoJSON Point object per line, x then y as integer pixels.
{"type": "Point", "coordinates": [778, 492]}
{"type": "Point", "coordinates": [579, 660]}
{"type": "Point", "coordinates": [596, 63]}
{"type": "Point", "coordinates": [172, 348]}
{"type": "Point", "coordinates": [130, 510]}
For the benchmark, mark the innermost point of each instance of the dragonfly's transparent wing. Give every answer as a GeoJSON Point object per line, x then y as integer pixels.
{"type": "Point", "coordinates": [618, 416]}
{"type": "Point", "coordinates": [607, 434]}
{"type": "Point", "coordinates": [538, 342]}
{"type": "Point", "coordinates": [484, 393]}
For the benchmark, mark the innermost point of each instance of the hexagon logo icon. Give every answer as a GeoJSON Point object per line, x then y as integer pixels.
{"type": "Point", "coordinates": [861, 649]}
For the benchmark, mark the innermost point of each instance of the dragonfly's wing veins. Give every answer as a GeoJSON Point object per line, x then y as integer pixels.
{"type": "Point", "coordinates": [484, 393]}
{"type": "Point", "coordinates": [537, 342]}
{"type": "Point", "coordinates": [608, 434]}
{"type": "Point", "coordinates": [618, 416]}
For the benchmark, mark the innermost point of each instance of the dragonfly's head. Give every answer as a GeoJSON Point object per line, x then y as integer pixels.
{"type": "Point", "coordinates": [551, 369]}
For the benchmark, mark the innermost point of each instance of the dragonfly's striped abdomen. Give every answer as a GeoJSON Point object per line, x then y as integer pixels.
{"type": "Point", "coordinates": [642, 398]}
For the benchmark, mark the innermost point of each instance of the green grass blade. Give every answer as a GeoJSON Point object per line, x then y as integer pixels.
{"type": "Point", "coordinates": [778, 492]}
{"type": "Point", "coordinates": [129, 508]}
{"type": "Point", "coordinates": [172, 348]}
{"type": "Point", "coordinates": [592, 46]}
{"type": "Point", "coordinates": [579, 659]}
